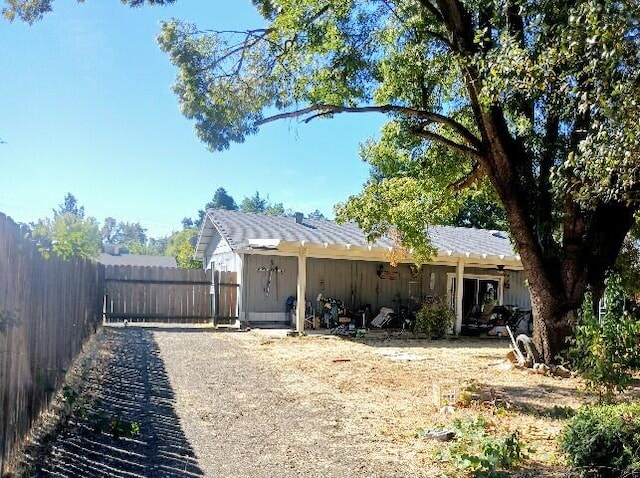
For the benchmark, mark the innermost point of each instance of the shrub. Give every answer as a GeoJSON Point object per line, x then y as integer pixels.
{"type": "Point", "coordinates": [604, 441]}
{"type": "Point", "coordinates": [434, 318]}
{"type": "Point", "coordinates": [606, 353]}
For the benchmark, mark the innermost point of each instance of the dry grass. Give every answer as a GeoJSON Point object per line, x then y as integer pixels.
{"type": "Point", "coordinates": [389, 398]}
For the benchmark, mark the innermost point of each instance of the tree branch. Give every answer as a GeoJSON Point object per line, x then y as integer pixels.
{"type": "Point", "coordinates": [439, 36]}
{"type": "Point", "coordinates": [475, 175]}
{"type": "Point", "coordinates": [428, 116]}
{"type": "Point", "coordinates": [432, 8]}
{"type": "Point", "coordinates": [459, 24]}
{"type": "Point", "coordinates": [460, 148]}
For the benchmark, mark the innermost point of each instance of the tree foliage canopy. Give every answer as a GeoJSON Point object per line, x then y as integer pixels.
{"type": "Point", "coordinates": [222, 200]}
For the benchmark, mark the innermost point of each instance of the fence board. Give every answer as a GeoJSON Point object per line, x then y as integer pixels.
{"type": "Point", "coordinates": [48, 309]}
{"type": "Point", "coordinates": [164, 294]}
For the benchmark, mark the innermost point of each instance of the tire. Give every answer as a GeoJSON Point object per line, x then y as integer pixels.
{"type": "Point", "coordinates": [526, 346]}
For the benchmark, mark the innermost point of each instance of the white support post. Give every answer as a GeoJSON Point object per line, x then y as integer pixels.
{"type": "Point", "coordinates": [459, 292]}
{"type": "Point", "coordinates": [302, 291]}
{"type": "Point", "coordinates": [240, 266]}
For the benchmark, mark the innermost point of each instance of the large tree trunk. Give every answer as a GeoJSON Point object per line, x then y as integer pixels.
{"type": "Point", "coordinates": [553, 320]}
{"type": "Point", "coordinates": [559, 277]}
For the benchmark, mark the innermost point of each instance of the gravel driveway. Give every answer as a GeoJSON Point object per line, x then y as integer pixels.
{"type": "Point", "coordinates": [205, 406]}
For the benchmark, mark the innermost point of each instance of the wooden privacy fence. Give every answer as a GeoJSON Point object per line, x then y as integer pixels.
{"type": "Point", "coordinates": [164, 294]}
{"type": "Point", "coordinates": [48, 308]}
{"type": "Point", "coordinates": [225, 286]}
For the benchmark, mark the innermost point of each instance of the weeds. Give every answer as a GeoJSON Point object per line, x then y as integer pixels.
{"type": "Point", "coordinates": [100, 421]}
{"type": "Point", "coordinates": [480, 452]}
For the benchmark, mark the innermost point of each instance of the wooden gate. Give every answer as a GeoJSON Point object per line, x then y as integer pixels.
{"type": "Point", "coordinates": [157, 294]}
{"type": "Point", "coordinates": [225, 297]}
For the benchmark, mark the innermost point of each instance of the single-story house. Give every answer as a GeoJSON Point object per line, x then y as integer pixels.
{"type": "Point", "coordinates": [268, 259]}
{"type": "Point", "coordinates": [117, 255]}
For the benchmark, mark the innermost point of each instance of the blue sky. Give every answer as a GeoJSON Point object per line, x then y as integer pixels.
{"type": "Point", "coordinates": [86, 106]}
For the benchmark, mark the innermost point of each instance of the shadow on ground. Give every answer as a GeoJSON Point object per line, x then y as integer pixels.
{"type": "Point", "coordinates": [407, 340]}
{"type": "Point", "coordinates": [543, 400]}
{"type": "Point", "coordinates": [129, 384]}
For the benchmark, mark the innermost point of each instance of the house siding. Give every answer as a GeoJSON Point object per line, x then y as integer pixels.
{"type": "Point", "coordinates": [260, 306]}
{"type": "Point", "coordinates": [357, 282]}
{"type": "Point", "coordinates": [220, 256]}
{"type": "Point", "coordinates": [518, 293]}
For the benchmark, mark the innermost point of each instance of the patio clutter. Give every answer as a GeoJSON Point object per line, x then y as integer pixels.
{"type": "Point", "coordinates": [332, 314]}
{"type": "Point", "coordinates": [492, 319]}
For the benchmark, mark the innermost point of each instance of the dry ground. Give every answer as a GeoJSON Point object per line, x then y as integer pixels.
{"type": "Point", "coordinates": [388, 399]}
{"type": "Point", "coordinates": [255, 405]}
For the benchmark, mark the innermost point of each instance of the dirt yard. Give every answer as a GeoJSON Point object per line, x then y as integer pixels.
{"type": "Point", "coordinates": [259, 405]}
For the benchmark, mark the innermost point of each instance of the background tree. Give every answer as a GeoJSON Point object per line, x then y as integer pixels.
{"type": "Point", "coordinates": [188, 223]}
{"type": "Point", "coordinates": [108, 230]}
{"type": "Point", "coordinates": [131, 234]}
{"type": "Point", "coordinates": [69, 206]}
{"type": "Point", "coordinates": [181, 245]}
{"type": "Point", "coordinates": [275, 209]}
{"type": "Point", "coordinates": [157, 246]}
{"type": "Point", "coordinates": [628, 263]}
{"type": "Point", "coordinates": [316, 215]}
{"type": "Point", "coordinates": [220, 200]}
{"type": "Point", "coordinates": [255, 203]}
{"type": "Point", "coordinates": [68, 234]}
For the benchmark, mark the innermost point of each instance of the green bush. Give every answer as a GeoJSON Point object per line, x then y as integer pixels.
{"type": "Point", "coordinates": [604, 441]}
{"type": "Point", "coordinates": [606, 353]}
{"type": "Point", "coordinates": [434, 318]}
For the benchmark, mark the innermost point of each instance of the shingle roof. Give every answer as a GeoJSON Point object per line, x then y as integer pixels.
{"type": "Point", "coordinates": [137, 260]}
{"type": "Point", "coordinates": [239, 227]}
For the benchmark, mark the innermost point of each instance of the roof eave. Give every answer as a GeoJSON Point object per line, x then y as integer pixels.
{"type": "Point", "coordinates": [374, 252]}
{"type": "Point", "coordinates": [203, 240]}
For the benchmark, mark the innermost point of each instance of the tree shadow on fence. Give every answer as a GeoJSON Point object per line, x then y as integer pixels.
{"type": "Point", "coordinates": [128, 389]}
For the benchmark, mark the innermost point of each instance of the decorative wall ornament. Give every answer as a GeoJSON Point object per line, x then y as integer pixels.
{"type": "Point", "coordinates": [271, 270]}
